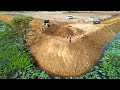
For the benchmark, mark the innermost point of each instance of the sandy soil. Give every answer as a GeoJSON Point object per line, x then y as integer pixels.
{"type": "Point", "coordinates": [56, 55]}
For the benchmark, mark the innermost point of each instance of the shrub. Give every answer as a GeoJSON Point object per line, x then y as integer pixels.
{"type": "Point", "coordinates": [21, 26]}
{"type": "Point", "coordinates": [15, 62]}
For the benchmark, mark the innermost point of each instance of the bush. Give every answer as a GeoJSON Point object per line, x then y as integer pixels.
{"type": "Point", "coordinates": [15, 62]}
{"type": "Point", "coordinates": [11, 58]}
{"type": "Point", "coordinates": [21, 26]}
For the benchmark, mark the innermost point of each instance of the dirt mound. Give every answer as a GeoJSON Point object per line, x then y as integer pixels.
{"type": "Point", "coordinates": [63, 32]}
{"type": "Point", "coordinates": [58, 57]}
{"type": "Point", "coordinates": [57, 29]}
{"type": "Point", "coordinates": [36, 25]}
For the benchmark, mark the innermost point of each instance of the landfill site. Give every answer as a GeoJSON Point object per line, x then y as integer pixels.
{"type": "Point", "coordinates": [68, 44]}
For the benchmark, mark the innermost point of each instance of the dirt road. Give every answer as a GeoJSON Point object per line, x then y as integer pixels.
{"type": "Point", "coordinates": [61, 15]}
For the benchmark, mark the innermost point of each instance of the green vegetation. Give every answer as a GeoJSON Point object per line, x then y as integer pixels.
{"type": "Point", "coordinates": [21, 26]}
{"type": "Point", "coordinates": [15, 61]}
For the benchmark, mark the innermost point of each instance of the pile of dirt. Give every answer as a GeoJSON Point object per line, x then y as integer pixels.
{"type": "Point", "coordinates": [57, 29]}
{"type": "Point", "coordinates": [63, 32]}
{"type": "Point", "coordinates": [36, 25]}
{"type": "Point", "coordinates": [58, 57]}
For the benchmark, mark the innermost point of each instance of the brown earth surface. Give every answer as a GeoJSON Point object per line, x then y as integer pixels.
{"type": "Point", "coordinates": [54, 54]}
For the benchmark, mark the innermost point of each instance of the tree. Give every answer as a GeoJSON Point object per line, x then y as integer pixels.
{"type": "Point", "coordinates": [20, 26]}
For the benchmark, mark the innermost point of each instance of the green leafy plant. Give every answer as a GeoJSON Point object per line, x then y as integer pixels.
{"type": "Point", "coordinates": [21, 26]}
{"type": "Point", "coordinates": [15, 61]}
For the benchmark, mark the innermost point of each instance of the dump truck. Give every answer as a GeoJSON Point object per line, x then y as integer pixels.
{"type": "Point", "coordinates": [95, 20]}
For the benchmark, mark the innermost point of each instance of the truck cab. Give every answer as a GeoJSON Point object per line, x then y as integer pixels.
{"type": "Point", "coordinates": [96, 20]}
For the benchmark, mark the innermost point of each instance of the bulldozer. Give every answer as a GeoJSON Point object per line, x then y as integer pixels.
{"type": "Point", "coordinates": [46, 23]}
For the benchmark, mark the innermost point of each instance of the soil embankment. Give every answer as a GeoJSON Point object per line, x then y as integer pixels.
{"type": "Point", "coordinates": [56, 55]}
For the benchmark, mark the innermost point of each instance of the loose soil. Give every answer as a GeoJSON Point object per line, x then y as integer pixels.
{"type": "Point", "coordinates": [53, 52]}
